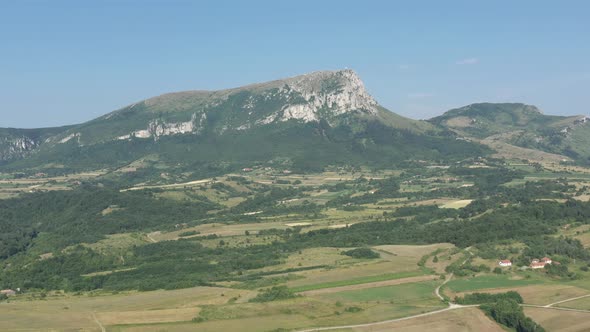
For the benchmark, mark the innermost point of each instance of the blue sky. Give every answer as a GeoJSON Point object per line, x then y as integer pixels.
{"type": "Point", "coordinates": [64, 62]}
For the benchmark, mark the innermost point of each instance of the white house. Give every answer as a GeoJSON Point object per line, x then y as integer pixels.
{"type": "Point", "coordinates": [505, 262]}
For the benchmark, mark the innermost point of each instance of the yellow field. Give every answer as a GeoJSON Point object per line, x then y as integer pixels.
{"type": "Point", "coordinates": [457, 204]}
{"type": "Point", "coordinates": [119, 241]}
{"type": "Point", "coordinates": [227, 308]}
{"type": "Point", "coordinates": [463, 320]}
{"type": "Point", "coordinates": [584, 238]}
{"type": "Point", "coordinates": [14, 187]}
{"type": "Point", "coordinates": [221, 310]}
{"type": "Point", "coordinates": [292, 314]}
{"type": "Point", "coordinates": [376, 284]}
{"type": "Point", "coordinates": [77, 312]}
{"type": "Point", "coordinates": [313, 257]}
{"type": "Point", "coordinates": [147, 316]}
{"type": "Point", "coordinates": [583, 304]}
{"type": "Point", "coordinates": [413, 252]}
{"type": "Point", "coordinates": [537, 294]}
{"type": "Point", "coordinates": [559, 320]}
{"type": "Point", "coordinates": [219, 229]}
{"type": "Point", "coordinates": [394, 259]}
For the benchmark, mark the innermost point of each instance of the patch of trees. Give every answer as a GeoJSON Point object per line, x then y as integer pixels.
{"type": "Point", "coordinates": [487, 178]}
{"type": "Point", "coordinates": [265, 200]}
{"type": "Point", "coordinates": [507, 312]}
{"type": "Point", "coordinates": [186, 263]}
{"type": "Point", "coordinates": [481, 298]}
{"type": "Point", "coordinates": [163, 265]}
{"type": "Point", "coordinates": [15, 237]}
{"type": "Point", "coordinates": [189, 233]}
{"type": "Point", "coordinates": [366, 253]}
{"type": "Point", "coordinates": [385, 188]}
{"type": "Point", "coordinates": [77, 216]}
{"type": "Point", "coordinates": [491, 251]}
{"type": "Point", "coordinates": [463, 267]}
{"type": "Point", "coordinates": [528, 220]}
{"type": "Point", "coordinates": [560, 271]}
{"type": "Point", "coordinates": [550, 246]}
{"type": "Point", "coordinates": [274, 293]}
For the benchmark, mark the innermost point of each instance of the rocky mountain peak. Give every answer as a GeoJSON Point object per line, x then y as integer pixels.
{"type": "Point", "coordinates": [321, 95]}
{"type": "Point", "coordinates": [324, 94]}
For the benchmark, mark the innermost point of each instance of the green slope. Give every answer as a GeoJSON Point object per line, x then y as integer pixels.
{"type": "Point", "coordinates": [521, 125]}
{"type": "Point", "coordinates": [307, 122]}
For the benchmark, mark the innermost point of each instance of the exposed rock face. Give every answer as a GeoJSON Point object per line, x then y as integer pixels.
{"type": "Point", "coordinates": [16, 147]}
{"type": "Point", "coordinates": [334, 93]}
{"type": "Point", "coordinates": [69, 137]}
{"type": "Point", "coordinates": [158, 128]}
{"type": "Point", "coordinates": [577, 122]}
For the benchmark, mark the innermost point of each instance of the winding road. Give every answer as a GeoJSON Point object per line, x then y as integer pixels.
{"type": "Point", "coordinates": [452, 306]}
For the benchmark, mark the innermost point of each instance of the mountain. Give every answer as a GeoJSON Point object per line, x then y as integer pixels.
{"type": "Point", "coordinates": [521, 129]}
{"type": "Point", "coordinates": [303, 122]}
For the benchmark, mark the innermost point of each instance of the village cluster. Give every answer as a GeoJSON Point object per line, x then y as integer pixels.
{"type": "Point", "coordinates": [535, 263]}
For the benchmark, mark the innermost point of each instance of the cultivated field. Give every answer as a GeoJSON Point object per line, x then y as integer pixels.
{"type": "Point", "coordinates": [66, 312]}
{"type": "Point", "coordinates": [379, 289]}
{"type": "Point", "coordinates": [464, 320]}
{"type": "Point", "coordinates": [560, 320]}
{"type": "Point", "coordinates": [541, 294]}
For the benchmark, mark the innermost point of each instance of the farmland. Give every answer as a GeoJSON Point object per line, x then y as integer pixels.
{"type": "Point", "coordinates": [293, 231]}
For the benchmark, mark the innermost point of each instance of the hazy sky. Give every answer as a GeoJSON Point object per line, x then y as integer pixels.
{"type": "Point", "coordinates": [64, 62]}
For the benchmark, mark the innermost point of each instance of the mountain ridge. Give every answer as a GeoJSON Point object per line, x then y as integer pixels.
{"type": "Point", "coordinates": [305, 123]}
{"type": "Point", "coordinates": [325, 113]}
{"type": "Point", "coordinates": [520, 125]}
{"type": "Point", "coordinates": [319, 95]}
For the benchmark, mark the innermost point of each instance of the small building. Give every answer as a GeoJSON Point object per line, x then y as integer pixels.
{"type": "Point", "coordinates": [7, 292]}
{"type": "Point", "coordinates": [247, 169]}
{"type": "Point", "coordinates": [505, 262]}
{"type": "Point", "coordinates": [539, 264]}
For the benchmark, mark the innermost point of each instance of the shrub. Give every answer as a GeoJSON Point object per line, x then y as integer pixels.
{"type": "Point", "coordinates": [189, 233]}
{"type": "Point", "coordinates": [479, 298]}
{"type": "Point", "coordinates": [274, 294]}
{"type": "Point", "coordinates": [361, 253]}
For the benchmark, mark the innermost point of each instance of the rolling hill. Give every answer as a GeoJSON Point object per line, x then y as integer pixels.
{"type": "Point", "coordinates": [514, 126]}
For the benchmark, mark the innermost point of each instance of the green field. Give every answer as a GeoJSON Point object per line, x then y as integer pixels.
{"type": "Point", "coordinates": [357, 281]}
{"type": "Point", "coordinates": [396, 294]}
{"type": "Point", "coordinates": [488, 282]}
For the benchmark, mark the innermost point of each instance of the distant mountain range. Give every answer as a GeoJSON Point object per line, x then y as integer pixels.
{"type": "Point", "coordinates": [305, 122]}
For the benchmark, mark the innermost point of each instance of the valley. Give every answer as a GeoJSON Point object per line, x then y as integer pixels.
{"type": "Point", "coordinates": [295, 205]}
{"type": "Point", "coordinates": [329, 288]}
